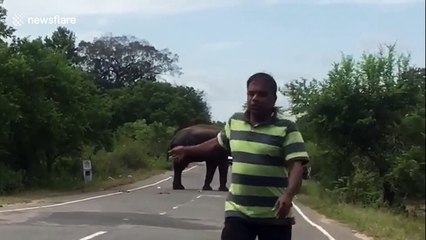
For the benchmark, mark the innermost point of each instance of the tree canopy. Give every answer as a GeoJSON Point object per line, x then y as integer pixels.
{"type": "Point", "coordinates": [366, 121]}
{"type": "Point", "coordinates": [59, 97]}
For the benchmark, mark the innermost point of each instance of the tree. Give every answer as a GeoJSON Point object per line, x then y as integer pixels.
{"type": "Point", "coordinates": [63, 40]}
{"type": "Point", "coordinates": [159, 102]}
{"type": "Point", "coordinates": [356, 114]}
{"type": "Point", "coordinates": [5, 31]}
{"type": "Point", "coordinates": [56, 110]}
{"type": "Point", "coordinates": [118, 61]}
{"type": "Point", "coordinates": [60, 103]}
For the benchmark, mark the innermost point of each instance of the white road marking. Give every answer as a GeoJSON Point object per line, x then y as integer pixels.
{"type": "Point", "coordinates": [185, 203]}
{"type": "Point", "coordinates": [213, 196]}
{"type": "Point", "coordinates": [93, 235]}
{"type": "Point", "coordinates": [156, 183]}
{"type": "Point", "coordinates": [90, 198]}
{"type": "Point", "coordinates": [322, 230]}
{"type": "Point", "coordinates": [59, 204]}
{"type": "Point", "coordinates": [163, 213]}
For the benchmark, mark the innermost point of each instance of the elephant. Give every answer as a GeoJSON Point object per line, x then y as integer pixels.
{"type": "Point", "coordinates": [194, 135]}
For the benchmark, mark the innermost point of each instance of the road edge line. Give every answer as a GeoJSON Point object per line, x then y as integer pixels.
{"type": "Point", "coordinates": [91, 198]}
{"type": "Point", "coordinates": [93, 235]}
{"type": "Point", "coordinates": [156, 183]}
{"type": "Point", "coordinates": [321, 229]}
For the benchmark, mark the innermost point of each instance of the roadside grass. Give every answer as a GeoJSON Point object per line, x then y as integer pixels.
{"type": "Point", "coordinates": [138, 153]}
{"type": "Point", "coordinates": [127, 164]}
{"type": "Point", "coordinates": [96, 185]}
{"type": "Point", "coordinates": [380, 224]}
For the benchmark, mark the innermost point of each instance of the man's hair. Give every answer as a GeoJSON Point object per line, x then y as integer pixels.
{"type": "Point", "coordinates": [266, 78]}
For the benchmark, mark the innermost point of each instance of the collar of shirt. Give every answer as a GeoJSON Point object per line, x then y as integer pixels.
{"type": "Point", "coordinates": [270, 120]}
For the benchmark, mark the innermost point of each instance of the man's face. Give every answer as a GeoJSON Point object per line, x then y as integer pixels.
{"type": "Point", "coordinates": [260, 98]}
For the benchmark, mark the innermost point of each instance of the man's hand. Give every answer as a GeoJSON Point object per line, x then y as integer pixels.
{"type": "Point", "coordinates": [283, 205]}
{"type": "Point", "coordinates": [177, 153]}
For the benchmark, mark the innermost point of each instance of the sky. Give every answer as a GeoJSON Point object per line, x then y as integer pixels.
{"type": "Point", "coordinates": [221, 43]}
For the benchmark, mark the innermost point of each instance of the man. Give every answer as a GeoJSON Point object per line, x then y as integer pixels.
{"type": "Point", "coordinates": [268, 156]}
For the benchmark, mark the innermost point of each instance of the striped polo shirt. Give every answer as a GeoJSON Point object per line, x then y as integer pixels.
{"type": "Point", "coordinates": [259, 174]}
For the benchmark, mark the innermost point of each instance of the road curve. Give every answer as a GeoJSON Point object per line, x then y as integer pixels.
{"type": "Point", "coordinates": [148, 210]}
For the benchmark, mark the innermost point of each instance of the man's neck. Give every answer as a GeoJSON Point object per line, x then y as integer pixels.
{"type": "Point", "coordinates": [260, 118]}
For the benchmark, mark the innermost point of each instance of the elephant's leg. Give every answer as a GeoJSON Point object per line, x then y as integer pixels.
{"type": "Point", "coordinates": [210, 170]}
{"type": "Point", "coordinates": [223, 175]}
{"type": "Point", "coordinates": [177, 178]}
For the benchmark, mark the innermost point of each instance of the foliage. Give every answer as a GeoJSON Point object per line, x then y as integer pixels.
{"type": "Point", "coordinates": [377, 223]}
{"type": "Point", "coordinates": [137, 145]}
{"type": "Point", "coordinates": [365, 123]}
{"type": "Point", "coordinates": [158, 102]}
{"type": "Point", "coordinates": [50, 99]}
{"type": "Point", "coordinates": [62, 102]}
{"type": "Point", "coordinates": [5, 31]}
{"type": "Point", "coordinates": [63, 40]}
{"type": "Point", "coordinates": [118, 61]}
{"type": "Point", "coordinates": [11, 181]}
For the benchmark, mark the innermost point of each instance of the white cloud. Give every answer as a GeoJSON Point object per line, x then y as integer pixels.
{"type": "Point", "coordinates": [102, 7]}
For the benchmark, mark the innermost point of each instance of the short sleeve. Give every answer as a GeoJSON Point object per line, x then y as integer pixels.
{"type": "Point", "coordinates": [224, 135]}
{"type": "Point", "coordinates": [294, 145]}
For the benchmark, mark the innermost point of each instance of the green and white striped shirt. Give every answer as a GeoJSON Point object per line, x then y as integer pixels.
{"type": "Point", "coordinates": [259, 174]}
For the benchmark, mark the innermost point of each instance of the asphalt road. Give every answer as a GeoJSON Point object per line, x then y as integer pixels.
{"type": "Point", "coordinates": [148, 210]}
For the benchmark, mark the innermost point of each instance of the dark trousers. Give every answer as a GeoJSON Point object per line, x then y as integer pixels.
{"type": "Point", "coordinates": [240, 229]}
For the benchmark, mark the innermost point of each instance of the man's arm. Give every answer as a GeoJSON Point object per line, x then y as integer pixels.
{"type": "Point", "coordinates": [224, 135]}
{"type": "Point", "coordinates": [296, 157]}
{"type": "Point", "coordinates": [296, 177]}
{"type": "Point", "coordinates": [202, 148]}
{"type": "Point", "coordinates": [221, 141]}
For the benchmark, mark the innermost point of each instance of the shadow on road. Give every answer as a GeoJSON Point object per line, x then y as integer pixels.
{"type": "Point", "coordinates": [122, 218]}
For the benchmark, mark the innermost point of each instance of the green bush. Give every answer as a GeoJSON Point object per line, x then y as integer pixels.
{"type": "Point", "coordinates": [10, 181]}
{"type": "Point", "coordinates": [137, 146]}
{"type": "Point", "coordinates": [364, 127]}
{"type": "Point", "coordinates": [125, 157]}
